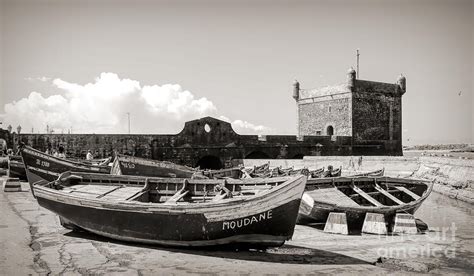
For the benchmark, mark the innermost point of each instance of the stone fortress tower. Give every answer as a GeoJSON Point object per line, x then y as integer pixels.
{"type": "Point", "coordinates": [370, 112]}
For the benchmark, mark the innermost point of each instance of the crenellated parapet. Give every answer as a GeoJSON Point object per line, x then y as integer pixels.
{"type": "Point", "coordinates": [368, 111]}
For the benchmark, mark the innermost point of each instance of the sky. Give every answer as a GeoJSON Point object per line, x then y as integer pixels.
{"type": "Point", "coordinates": [83, 65]}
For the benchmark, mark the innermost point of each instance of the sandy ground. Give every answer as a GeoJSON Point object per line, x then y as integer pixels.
{"type": "Point", "coordinates": [33, 242]}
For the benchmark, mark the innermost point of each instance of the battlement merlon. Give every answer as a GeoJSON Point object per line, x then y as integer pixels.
{"type": "Point", "coordinates": [352, 85]}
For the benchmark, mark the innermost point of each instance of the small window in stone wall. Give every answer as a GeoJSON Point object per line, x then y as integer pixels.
{"type": "Point", "coordinates": [318, 132]}
{"type": "Point", "coordinates": [330, 131]}
{"type": "Point", "coordinates": [329, 109]}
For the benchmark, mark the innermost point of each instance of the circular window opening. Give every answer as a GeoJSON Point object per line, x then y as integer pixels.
{"type": "Point", "coordinates": [207, 128]}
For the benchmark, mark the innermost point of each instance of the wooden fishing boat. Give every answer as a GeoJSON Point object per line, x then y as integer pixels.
{"type": "Point", "coordinates": [235, 173]}
{"type": "Point", "coordinates": [177, 212]}
{"type": "Point", "coordinates": [284, 171]}
{"type": "Point", "coordinates": [259, 171]}
{"type": "Point", "coordinates": [331, 172]}
{"type": "Point", "coordinates": [303, 171]}
{"type": "Point", "coordinates": [131, 165]}
{"type": "Point", "coordinates": [16, 168]}
{"type": "Point", "coordinates": [371, 173]}
{"type": "Point", "coordinates": [316, 173]}
{"type": "Point", "coordinates": [45, 168]}
{"type": "Point", "coordinates": [357, 196]}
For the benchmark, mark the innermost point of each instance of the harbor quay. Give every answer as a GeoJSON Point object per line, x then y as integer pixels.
{"type": "Point", "coordinates": [35, 243]}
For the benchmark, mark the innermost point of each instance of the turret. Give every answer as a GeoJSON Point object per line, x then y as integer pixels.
{"type": "Point", "coordinates": [351, 77]}
{"type": "Point", "coordinates": [296, 90]}
{"type": "Point", "coordinates": [402, 83]}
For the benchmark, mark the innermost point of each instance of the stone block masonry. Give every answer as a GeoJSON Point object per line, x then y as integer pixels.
{"type": "Point", "coordinates": [194, 146]}
{"type": "Point", "coordinates": [369, 112]}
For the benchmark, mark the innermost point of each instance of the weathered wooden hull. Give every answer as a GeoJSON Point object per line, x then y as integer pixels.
{"type": "Point", "coordinates": [313, 209]}
{"type": "Point", "coordinates": [130, 165]}
{"type": "Point", "coordinates": [42, 167]}
{"type": "Point", "coordinates": [265, 220]}
{"type": "Point", "coordinates": [16, 168]}
{"type": "Point", "coordinates": [235, 173]}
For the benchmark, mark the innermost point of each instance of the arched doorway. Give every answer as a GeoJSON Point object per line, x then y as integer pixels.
{"type": "Point", "coordinates": [257, 155]}
{"type": "Point", "coordinates": [209, 162]}
{"type": "Point", "coordinates": [329, 131]}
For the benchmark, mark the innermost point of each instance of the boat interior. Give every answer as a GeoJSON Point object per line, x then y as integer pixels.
{"type": "Point", "coordinates": [366, 191]}
{"type": "Point", "coordinates": [158, 190]}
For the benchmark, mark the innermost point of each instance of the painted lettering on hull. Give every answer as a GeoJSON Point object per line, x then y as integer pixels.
{"type": "Point", "coordinates": [127, 165]}
{"type": "Point", "coordinates": [42, 163]}
{"type": "Point", "coordinates": [239, 223]}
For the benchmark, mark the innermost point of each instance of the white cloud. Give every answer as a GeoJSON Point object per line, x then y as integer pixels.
{"type": "Point", "coordinates": [244, 127]}
{"type": "Point", "coordinates": [101, 107]}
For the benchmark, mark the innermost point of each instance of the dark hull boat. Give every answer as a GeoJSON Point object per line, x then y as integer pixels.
{"type": "Point", "coordinates": [332, 173]}
{"type": "Point", "coordinates": [235, 173]}
{"type": "Point", "coordinates": [176, 212]}
{"type": "Point", "coordinates": [359, 195]}
{"type": "Point", "coordinates": [316, 173]}
{"type": "Point", "coordinates": [131, 165]}
{"type": "Point", "coordinates": [16, 168]}
{"type": "Point", "coordinates": [45, 168]}
{"type": "Point", "coordinates": [260, 171]}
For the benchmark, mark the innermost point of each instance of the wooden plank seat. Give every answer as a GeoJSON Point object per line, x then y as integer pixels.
{"type": "Point", "coordinates": [144, 190]}
{"type": "Point", "coordinates": [332, 195]}
{"type": "Point", "coordinates": [90, 191]}
{"type": "Point", "coordinates": [389, 195]}
{"type": "Point", "coordinates": [366, 196]}
{"type": "Point", "coordinates": [122, 193]}
{"type": "Point", "coordinates": [179, 194]}
{"type": "Point", "coordinates": [408, 192]}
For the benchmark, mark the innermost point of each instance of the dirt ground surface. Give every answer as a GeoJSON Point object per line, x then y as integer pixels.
{"type": "Point", "coordinates": [33, 242]}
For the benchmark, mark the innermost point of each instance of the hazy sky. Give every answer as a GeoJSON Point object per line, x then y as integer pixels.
{"type": "Point", "coordinates": [166, 62]}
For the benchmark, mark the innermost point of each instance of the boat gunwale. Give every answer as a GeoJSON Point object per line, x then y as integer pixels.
{"type": "Point", "coordinates": [142, 161]}
{"type": "Point", "coordinates": [65, 162]}
{"type": "Point", "coordinates": [284, 188]}
{"type": "Point", "coordinates": [383, 209]}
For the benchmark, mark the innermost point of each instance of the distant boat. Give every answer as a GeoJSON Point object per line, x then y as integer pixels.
{"type": "Point", "coordinates": [331, 172]}
{"type": "Point", "coordinates": [235, 173]}
{"type": "Point", "coordinates": [176, 212]}
{"type": "Point", "coordinates": [131, 165]}
{"type": "Point", "coordinates": [45, 168]}
{"type": "Point", "coordinates": [371, 173]}
{"type": "Point", "coordinates": [16, 168]}
{"type": "Point", "coordinates": [260, 171]}
{"type": "Point", "coordinates": [316, 173]}
{"type": "Point", "coordinates": [357, 196]}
